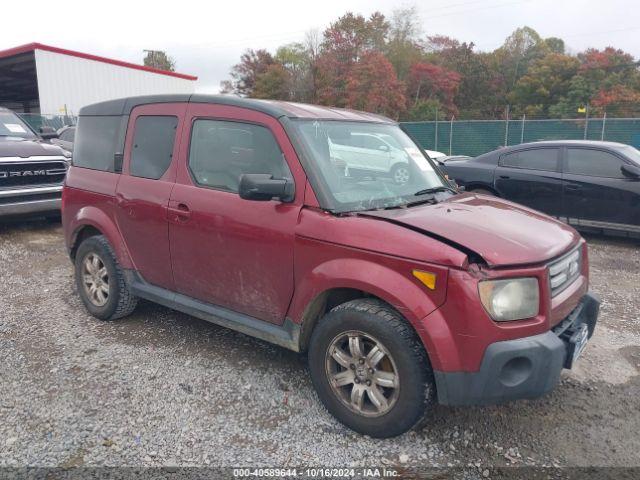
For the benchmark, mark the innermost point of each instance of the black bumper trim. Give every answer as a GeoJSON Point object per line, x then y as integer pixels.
{"type": "Point", "coordinates": [516, 369]}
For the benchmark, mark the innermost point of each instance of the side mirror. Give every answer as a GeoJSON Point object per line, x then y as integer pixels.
{"type": "Point", "coordinates": [263, 187]}
{"type": "Point", "coordinates": [630, 170]}
{"type": "Point", "coordinates": [454, 184]}
{"type": "Point", "coordinates": [47, 133]}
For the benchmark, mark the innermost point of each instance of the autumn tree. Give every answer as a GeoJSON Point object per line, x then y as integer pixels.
{"type": "Point", "coordinates": [344, 43]}
{"type": "Point", "coordinates": [387, 65]}
{"type": "Point", "coordinates": [430, 82]}
{"type": "Point", "coordinates": [480, 91]}
{"type": "Point", "coordinates": [372, 86]}
{"type": "Point", "coordinates": [244, 74]}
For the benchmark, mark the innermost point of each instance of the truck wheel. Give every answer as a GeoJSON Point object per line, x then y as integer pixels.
{"type": "Point", "coordinates": [370, 368]}
{"type": "Point", "coordinates": [401, 173]}
{"type": "Point", "coordinates": [100, 281]}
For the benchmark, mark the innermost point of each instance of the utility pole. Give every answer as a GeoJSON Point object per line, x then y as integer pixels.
{"type": "Point", "coordinates": [604, 121]}
{"type": "Point", "coordinates": [451, 134]}
{"type": "Point", "coordinates": [506, 129]}
{"type": "Point", "coordinates": [435, 142]}
{"type": "Point", "coordinates": [586, 121]}
{"type": "Point", "coordinates": [524, 116]}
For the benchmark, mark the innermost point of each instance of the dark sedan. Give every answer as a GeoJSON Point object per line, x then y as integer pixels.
{"type": "Point", "coordinates": [590, 185]}
{"type": "Point", "coordinates": [66, 137]}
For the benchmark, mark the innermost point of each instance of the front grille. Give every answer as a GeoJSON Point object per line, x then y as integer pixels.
{"type": "Point", "coordinates": [29, 172]}
{"type": "Point", "coordinates": [563, 272]}
{"type": "Point", "coordinates": [6, 200]}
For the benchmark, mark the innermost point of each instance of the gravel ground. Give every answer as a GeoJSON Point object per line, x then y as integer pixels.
{"type": "Point", "coordinates": [162, 388]}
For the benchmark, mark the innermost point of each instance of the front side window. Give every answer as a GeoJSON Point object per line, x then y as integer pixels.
{"type": "Point", "coordinates": [222, 151]}
{"type": "Point", "coordinates": [595, 163]}
{"type": "Point", "coordinates": [12, 126]}
{"type": "Point", "coordinates": [366, 178]}
{"type": "Point", "coordinates": [536, 159]}
{"type": "Point", "coordinates": [152, 148]}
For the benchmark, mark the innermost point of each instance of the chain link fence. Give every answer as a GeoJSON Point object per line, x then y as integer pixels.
{"type": "Point", "coordinates": [475, 137]}
{"type": "Point", "coordinates": [37, 120]}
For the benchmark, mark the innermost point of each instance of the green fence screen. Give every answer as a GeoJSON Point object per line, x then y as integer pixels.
{"type": "Point", "coordinates": [474, 137]}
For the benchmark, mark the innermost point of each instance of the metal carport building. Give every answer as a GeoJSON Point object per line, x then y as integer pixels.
{"type": "Point", "coordinates": [37, 78]}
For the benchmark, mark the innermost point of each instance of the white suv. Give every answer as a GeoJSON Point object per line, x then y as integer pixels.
{"type": "Point", "coordinates": [367, 153]}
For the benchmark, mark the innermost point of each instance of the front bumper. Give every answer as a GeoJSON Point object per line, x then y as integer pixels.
{"type": "Point", "coordinates": [30, 201]}
{"type": "Point", "coordinates": [524, 368]}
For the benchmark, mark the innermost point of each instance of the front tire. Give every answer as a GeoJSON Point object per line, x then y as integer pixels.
{"type": "Point", "coordinates": [100, 280]}
{"type": "Point", "coordinates": [370, 369]}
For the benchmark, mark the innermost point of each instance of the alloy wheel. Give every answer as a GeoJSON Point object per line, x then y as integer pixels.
{"type": "Point", "coordinates": [95, 279]}
{"type": "Point", "coordinates": [362, 373]}
{"type": "Point", "coordinates": [401, 175]}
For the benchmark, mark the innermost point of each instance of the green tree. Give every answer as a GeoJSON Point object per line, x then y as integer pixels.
{"type": "Point", "coordinates": [518, 52]}
{"type": "Point", "coordinates": [297, 61]}
{"type": "Point", "coordinates": [159, 59]}
{"type": "Point", "coordinates": [555, 44]}
{"type": "Point", "coordinates": [273, 83]}
{"type": "Point", "coordinates": [404, 47]}
{"type": "Point", "coordinates": [546, 83]}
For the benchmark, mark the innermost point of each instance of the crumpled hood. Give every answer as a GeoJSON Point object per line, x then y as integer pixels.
{"type": "Point", "coordinates": [27, 148]}
{"type": "Point", "coordinates": [501, 232]}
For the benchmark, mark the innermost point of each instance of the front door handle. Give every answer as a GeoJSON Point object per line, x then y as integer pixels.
{"type": "Point", "coordinates": [572, 186]}
{"type": "Point", "coordinates": [506, 177]}
{"type": "Point", "coordinates": [180, 212]}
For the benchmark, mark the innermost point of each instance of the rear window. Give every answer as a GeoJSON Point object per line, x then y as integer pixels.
{"type": "Point", "coordinates": [535, 159]}
{"type": "Point", "coordinates": [152, 146]}
{"type": "Point", "coordinates": [98, 139]}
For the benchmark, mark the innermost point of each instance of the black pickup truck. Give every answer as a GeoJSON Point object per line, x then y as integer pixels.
{"type": "Point", "coordinates": [31, 170]}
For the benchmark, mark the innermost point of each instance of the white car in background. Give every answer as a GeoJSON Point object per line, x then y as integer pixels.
{"type": "Point", "coordinates": [433, 155]}
{"type": "Point", "coordinates": [365, 153]}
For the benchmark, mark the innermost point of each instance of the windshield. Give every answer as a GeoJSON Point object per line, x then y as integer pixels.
{"type": "Point", "coordinates": [12, 126]}
{"type": "Point", "coordinates": [632, 153]}
{"type": "Point", "coordinates": [365, 166]}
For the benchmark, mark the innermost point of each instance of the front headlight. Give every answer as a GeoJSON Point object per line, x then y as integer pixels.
{"type": "Point", "coordinates": [510, 299]}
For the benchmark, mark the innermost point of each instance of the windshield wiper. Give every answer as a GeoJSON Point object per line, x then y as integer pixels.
{"type": "Point", "coordinates": [427, 191]}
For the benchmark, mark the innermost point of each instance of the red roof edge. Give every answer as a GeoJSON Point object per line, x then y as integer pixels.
{"type": "Point", "coordinates": [30, 47]}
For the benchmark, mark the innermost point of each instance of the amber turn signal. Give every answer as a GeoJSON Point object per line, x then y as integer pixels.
{"type": "Point", "coordinates": [427, 278]}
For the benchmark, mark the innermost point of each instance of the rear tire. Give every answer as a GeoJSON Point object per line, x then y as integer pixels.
{"type": "Point", "coordinates": [370, 369]}
{"type": "Point", "coordinates": [100, 280]}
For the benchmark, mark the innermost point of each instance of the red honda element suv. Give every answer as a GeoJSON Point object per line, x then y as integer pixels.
{"type": "Point", "coordinates": [290, 223]}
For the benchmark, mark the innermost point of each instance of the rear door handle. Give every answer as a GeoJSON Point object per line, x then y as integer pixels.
{"type": "Point", "coordinates": [506, 177]}
{"type": "Point", "coordinates": [181, 212]}
{"type": "Point", "coordinates": [572, 186]}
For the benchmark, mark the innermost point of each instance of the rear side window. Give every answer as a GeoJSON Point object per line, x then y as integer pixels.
{"type": "Point", "coordinates": [595, 163]}
{"type": "Point", "coordinates": [535, 159]}
{"type": "Point", "coordinates": [98, 140]}
{"type": "Point", "coordinates": [152, 148]}
{"type": "Point", "coordinates": [221, 152]}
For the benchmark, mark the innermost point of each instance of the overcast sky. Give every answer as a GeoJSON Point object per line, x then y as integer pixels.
{"type": "Point", "coordinates": [207, 38]}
